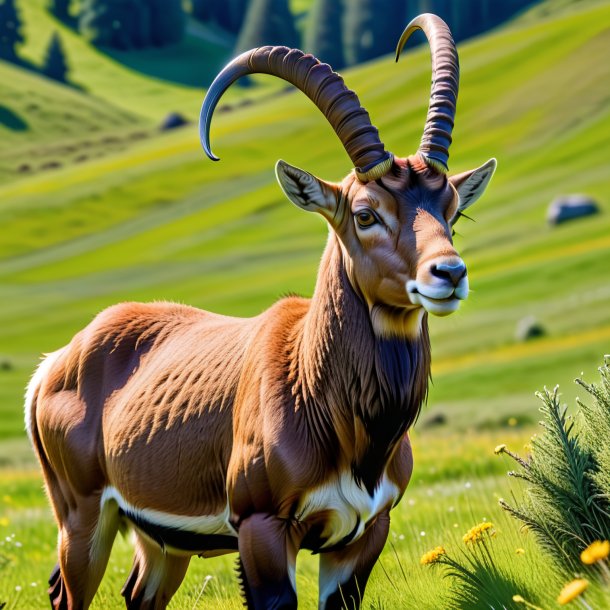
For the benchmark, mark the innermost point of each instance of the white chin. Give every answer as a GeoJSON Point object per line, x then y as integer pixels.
{"type": "Point", "coordinates": [437, 300]}
{"type": "Point", "coordinates": [437, 307]}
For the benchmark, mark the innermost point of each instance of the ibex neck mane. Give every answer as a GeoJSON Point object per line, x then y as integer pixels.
{"type": "Point", "coordinates": [371, 388]}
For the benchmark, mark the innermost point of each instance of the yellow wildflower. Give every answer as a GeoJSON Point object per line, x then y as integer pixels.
{"type": "Point", "coordinates": [432, 556]}
{"type": "Point", "coordinates": [512, 421]}
{"type": "Point", "coordinates": [500, 449]}
{"type": "Point", "coordinates": [595, 552]}
{"type": "Point", "coordinates": [474, 534]}
{"type": "Point", "coordinates": [520, 600]}
{"type": "Point", "coordinates": [520, 551]}
{"type": "Point", "coordinates": [4, 522]}
{"type": "Point", "coordinates": [572, 590]}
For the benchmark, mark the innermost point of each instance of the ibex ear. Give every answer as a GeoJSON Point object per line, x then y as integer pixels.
{"type": "Point", "coordinates": [471, 185]}
{"type": "Point", "coordinates": [307, 191]}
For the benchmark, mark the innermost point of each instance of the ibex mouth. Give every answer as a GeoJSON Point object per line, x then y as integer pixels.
{"type": "Point", "coordinates": [440, 300]}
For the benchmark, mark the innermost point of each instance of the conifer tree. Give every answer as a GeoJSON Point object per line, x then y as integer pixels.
{"type": "Point", "coordinates": [61, 9]}
{"type": "Point", "coordinates": [120, 24]}
{"type": "Point", "coordinates": [323, 35]}
{"type": "Point", "coordinates": [167, 21]}
{"type": "Point", "coordinates": [127, 24]}
{"type": "Point", "coordinates": [228, 14]}
{"type": "Point", "coordinates": [10, 30]}
{"type": "Point", "coordinates": [55, 64]}
{"type": "Point", "coordinates": [268, 22]}
{"type": "Point", "coordinates": [371, 28]}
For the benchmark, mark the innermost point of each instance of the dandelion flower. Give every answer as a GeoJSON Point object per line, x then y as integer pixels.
{"type": "Point", "coordinates": [595, 552]}
{"type": "Point", "coordinates": [4, 522]}
{"type": "Point", "coordinates": [500, 449]}
{"type": "Point", "coordinates": [572, 590]}
{"type": "Point", "coordinates": [432, 556]}
{"type": "Point", "coordinates": [474, 534]}
{"type": "Point", "coordinates": [520, 551]}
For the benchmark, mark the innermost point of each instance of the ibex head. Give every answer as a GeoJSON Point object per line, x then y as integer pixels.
{"type": "Point", "coordinates": [393, 216]}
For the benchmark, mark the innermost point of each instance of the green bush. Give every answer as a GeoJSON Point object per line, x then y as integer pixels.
{"type": "Point", "coordinates": [567, 499]}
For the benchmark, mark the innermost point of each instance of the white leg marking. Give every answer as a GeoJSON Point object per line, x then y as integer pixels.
{"type": "Point", "coordinates": [39, 374]}
{"type": "Point", "coordinates": [330, 578]}
{"type": "Point", "coordinates": [105, 531]}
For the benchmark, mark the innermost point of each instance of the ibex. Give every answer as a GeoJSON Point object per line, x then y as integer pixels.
{"type": "Point", "coordinates": [208, 434]}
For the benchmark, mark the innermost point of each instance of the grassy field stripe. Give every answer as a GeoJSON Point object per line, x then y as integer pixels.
{"type": "Point", "coordinates": [511, 353]}
{"type": "Point", "coordinates": [92, 171]}
{"type": "Point", "coordinates": [582, 247]}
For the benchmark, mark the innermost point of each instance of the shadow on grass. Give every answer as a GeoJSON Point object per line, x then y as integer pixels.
{"type": "Point", "coordinates": [11, 120]}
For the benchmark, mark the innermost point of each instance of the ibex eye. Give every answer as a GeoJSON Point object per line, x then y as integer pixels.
{"type": "Point", "coordinates": [365, 219]}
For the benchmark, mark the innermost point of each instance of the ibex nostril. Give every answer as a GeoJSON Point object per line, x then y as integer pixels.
{"type": "Point", "coordinates": [449, 272]}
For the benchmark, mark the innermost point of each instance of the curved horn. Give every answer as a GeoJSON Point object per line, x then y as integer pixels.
{"type": "Point", "coordinates": [324, 88]}
{"type": "Point", "coordinates": [435, 141]}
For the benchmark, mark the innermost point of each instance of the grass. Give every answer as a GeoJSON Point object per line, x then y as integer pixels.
{"type": "Point", "coordinates": [146, 218]}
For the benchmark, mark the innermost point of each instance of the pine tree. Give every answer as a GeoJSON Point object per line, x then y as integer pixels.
{"type": "Point", "coordinates": [323, 35]}
{"type": "Point", "coordinates": [268, 22]}
{"type": "Point", "coordinates": [61, 9]}
{"type": "Point", "coordinates": [229, 14]}
{"type": "Point", "coordinates": [10, 30]}
{"type": "Point", "coordinates": [128, 24]}
{"type": "Point", "coordinates": [167, 21]}
{"type": "Point", "coordinates": [120, 24]}
{"type": "Point", "coordinates": [203, 10]}
{"type": "Point", "coordinates": [55, 65]}
{"type": "Point", "coordinates": [371, 28]}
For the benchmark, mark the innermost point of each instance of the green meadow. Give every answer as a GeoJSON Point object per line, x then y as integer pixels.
{"type": "Point", "coordinates": [98, 206]}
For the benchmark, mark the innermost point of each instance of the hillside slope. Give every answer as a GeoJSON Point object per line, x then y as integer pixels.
{"type": "Point", "coordinates": [150, 83]}
{"type": "Point", "coordinates": [158, 221]}
{"type": "Point", "coordinates": [44, 125]}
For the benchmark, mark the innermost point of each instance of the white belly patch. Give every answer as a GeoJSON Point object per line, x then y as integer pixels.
{"type": "Point", "coordinates": [350, 506]}
{"type": "Point", "coordinates": [212, 525]}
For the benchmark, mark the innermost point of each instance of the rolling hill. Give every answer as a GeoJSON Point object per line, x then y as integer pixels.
{"type": "Point", "coordinates": [152, 219]}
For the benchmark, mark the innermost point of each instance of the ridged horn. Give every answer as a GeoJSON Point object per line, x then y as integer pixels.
{"type": "Point", "coordinates": [324, 88]}
{"type": "Point", "coordinates": [435, 142]}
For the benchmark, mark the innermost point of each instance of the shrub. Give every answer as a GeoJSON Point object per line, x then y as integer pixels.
{"type": "Point", "coordinates": [567, 500]}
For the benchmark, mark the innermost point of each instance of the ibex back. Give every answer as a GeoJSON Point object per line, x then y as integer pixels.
{"type": "Point", "coordinates": [208, 434]}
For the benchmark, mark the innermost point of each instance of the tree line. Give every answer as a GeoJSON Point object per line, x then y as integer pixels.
{"type": "Point", "coordinates": [339, 32]}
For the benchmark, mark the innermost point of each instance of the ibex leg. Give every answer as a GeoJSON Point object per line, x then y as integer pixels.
{"type": "Point", "coordinates": [155, 576]}
{"type": "Point", "coordinates": [84, 546]}
{"type": "Point", "coordinates": [344, 573]}
{"type": "Point", "coordinates": [267, 563]}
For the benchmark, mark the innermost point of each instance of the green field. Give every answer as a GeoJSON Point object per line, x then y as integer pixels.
{"type": "Point", "coordinates": [145, 216]}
